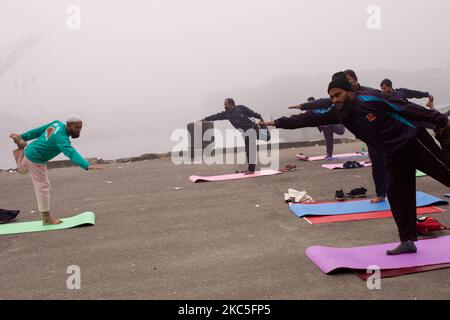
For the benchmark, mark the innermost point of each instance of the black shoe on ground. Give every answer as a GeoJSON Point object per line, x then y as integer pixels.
{"type": "Point", "coordinates": [357, 193]}
{"type": "Point", "coordinates": [340, 195]}
{"type": "Point", "coordinates": [352, 165]}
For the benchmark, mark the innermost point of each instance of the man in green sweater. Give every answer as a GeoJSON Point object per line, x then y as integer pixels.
{"type": "Point", "coordinates": [49, 141]}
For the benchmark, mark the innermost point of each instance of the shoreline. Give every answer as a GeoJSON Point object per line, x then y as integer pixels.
{"type": "Point", "coordinates": [58, 164]}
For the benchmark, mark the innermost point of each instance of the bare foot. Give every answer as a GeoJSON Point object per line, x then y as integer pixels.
{"type": "Point", "coordinates": [49, 220]}
{"type": "Point", "coordinates": [377, 200]}
{"type": "Point", "coordinates": [21, 144]}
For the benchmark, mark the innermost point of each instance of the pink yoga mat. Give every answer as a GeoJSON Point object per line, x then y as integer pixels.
{"type": "Point", "coordinates": [429, 252]}
{"type": "Point", "coordinates": [235, 176]}
{"type": "Point", "coordinates": [337, 166]}
{"type": "Point", "coordinates": [337, 156]}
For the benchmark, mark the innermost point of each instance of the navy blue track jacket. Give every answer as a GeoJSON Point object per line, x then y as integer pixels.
{"type": "Point", "coordinates": [388, 123]}
{"type": "Point", "coordinates": [239, 117]}
{"type": "Point", "coordinates": [403, 93]}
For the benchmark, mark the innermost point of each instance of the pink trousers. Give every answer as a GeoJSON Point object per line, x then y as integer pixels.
{"type": "Point", "coordinates": [39, 176]}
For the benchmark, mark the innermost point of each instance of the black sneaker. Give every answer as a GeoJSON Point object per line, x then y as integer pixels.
{"type": "Point", "coordinates": [357, 193]}
{"type": "Point", "coordinates": [352, 165]}
{"type": "Point", "coordinates": [340, 195]}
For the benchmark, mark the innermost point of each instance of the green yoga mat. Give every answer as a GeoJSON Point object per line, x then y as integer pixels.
{"type": "Point", "coordinates": [420, 174]}
{"type": "Point", "coordinates": [87, 218]}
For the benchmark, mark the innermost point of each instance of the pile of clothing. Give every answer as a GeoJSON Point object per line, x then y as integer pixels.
{"type": "Point", "coordinates": [295, 196]}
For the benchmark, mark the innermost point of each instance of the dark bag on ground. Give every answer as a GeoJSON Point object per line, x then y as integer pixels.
{"type": "Point", "coordinates": [8, 215]}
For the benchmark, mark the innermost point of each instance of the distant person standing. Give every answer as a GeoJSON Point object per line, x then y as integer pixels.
{"type": "Point", "coordinates": [239, 116]}
{"type": "Point", "coordinates": [328, 132]}
{"type": "Point", "coordinates": [49, 141]}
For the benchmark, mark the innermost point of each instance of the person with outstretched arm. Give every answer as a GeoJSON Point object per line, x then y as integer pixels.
{"type": "Point", "coordinates": [49, 141]}
{"type": "Point", "coordinates": [324, 103]}
{"type": "Point", "coordinates": [375, 155]}
{"type": "Point", "coordinates": [394, 127]}
{"type": "Point", "coordinates": [403, 93]}
{"type": "Point", "coordinates": [240, 117]}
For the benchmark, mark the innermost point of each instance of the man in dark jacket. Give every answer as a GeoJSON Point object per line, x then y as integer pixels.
{"type": "Point", "coordinates": [376, 156]}
{"type": "Point", "coordinates": [403, 93]}
{"type": "Point", "coordinates": [239, 116]}
{"type": "Point", "coordinates": [394, 126]}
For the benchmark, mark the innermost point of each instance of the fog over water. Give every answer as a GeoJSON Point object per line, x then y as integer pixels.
{"type": "Point", "coordinates": [137, 70]}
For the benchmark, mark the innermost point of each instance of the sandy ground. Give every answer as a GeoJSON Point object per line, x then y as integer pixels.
{"type": "Point", "coordinates": [226, 240]}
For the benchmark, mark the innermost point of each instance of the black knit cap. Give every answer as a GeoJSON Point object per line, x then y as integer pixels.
{"type": "Point", "coordinates": [339, 80]}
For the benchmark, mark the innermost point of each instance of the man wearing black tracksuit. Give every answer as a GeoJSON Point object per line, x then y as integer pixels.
{"type": "Point", "coordinates": [375, 155]}
{"type": "Point", "coordinates": [239, 116]}
{"type": "Point", "coordinates": [394, 126]}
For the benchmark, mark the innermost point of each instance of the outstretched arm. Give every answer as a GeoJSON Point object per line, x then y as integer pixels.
{"type": "Point", "coordinates": [67, 149]}
{"type": "Point", "coordinates": [314, 105]}
{"type": "Point", "coordinates": [305, 120]}
{"type": "Point", "coordinates": [218, 116]}
{"type": "Point", "coordinates": [414, 94]}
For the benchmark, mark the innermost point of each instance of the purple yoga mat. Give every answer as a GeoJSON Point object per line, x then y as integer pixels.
{"type": "Point", "coordinates": [429, 252]}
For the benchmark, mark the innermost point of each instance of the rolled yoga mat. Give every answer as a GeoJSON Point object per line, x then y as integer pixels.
{"type": "Point", "coordinates": [87, 218]}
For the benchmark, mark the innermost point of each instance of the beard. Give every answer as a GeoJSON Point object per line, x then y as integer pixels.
{"type": "Point", "coordinates": [343, 109]}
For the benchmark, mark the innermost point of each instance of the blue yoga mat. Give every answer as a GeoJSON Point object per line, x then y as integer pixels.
{"type": "Point", "coordinates": [349, 207]}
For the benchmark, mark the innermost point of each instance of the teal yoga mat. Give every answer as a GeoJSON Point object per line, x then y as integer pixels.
{"type": "Point", "coordinates": [86, 218]}
{"type": "Point", "coordinates": [349, 207]}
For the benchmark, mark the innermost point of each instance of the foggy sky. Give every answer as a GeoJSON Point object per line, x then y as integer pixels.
{"type": "Point", "coordinates": [150, 66]}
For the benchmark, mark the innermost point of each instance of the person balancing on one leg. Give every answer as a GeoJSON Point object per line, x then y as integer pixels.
{"type": "Point", "coordinates": [49, 141]}
{"type": "Point", "coordinates": [240, 117]}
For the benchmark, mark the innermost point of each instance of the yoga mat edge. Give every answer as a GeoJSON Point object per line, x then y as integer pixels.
{"type": "Point", "coordinates": [86, 218]}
